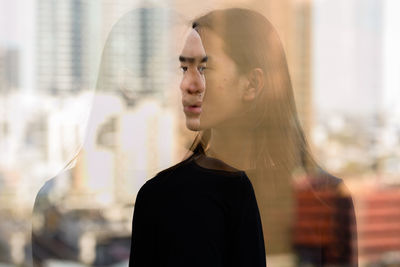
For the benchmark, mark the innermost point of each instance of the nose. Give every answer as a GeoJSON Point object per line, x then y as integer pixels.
{"type": "Point", "coordinates": [192, 83]}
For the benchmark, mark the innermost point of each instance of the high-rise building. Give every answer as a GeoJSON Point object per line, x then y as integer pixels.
{"type": "Point", "coordinates": [135, 57]}
{"type": "Point", "coordinates": [300, 52]}
{"type": "Point", "coordinates": [9, 69]}
{"type": "Point", "coordinates": [67, 37]}
{"type": "Point", "coordinates": [70, 40]}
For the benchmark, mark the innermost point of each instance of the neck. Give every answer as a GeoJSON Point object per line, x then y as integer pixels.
{"type": "Point", "coordinates": [233, 146]}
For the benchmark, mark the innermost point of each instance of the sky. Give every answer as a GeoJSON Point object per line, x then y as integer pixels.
{"type": "Point", "coordinates": [17, 30]}
{"type": "Point", "coordinates": [16, 19]}
{"type": "Point", "coordinates": [356, 62]}
{"type": "Point", "coordinates": [346, 47]}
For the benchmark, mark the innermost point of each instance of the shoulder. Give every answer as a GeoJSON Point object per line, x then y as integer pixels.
{"type": "Point", "coordinates": [52, 190]}
{"type": "Point", "coordinates": [157, 182]}
{"type": "Point", "coordinates": [171, 170]}
{"type": "Point", "coordinates": [245, 183]}
{"type": "Point", "coordinates": [162, 175]}
{"type": "Point", "coordinates": [246, 189]}
{"type": "Point", "coordinates": [333, 184]}
{"type": "Point", "coordinates": [323, 180]}
{"type": "Point", "coordinates": [325, 187]}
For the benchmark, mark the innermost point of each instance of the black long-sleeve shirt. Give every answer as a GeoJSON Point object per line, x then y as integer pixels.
{"type": "Point", "coordinates": [189, 215]}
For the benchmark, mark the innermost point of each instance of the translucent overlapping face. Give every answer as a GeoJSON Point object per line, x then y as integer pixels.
{"type": "Point", "coordinates": [211, 86]}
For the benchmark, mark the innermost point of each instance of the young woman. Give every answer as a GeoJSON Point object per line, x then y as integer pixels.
{"type": "Point", "coordinates": [249, 184]}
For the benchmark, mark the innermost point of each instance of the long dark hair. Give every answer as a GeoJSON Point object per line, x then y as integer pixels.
{"type": "Point", "coordinates": [280, 143]}
{"type": "Point", "coordinates": [252, 42]}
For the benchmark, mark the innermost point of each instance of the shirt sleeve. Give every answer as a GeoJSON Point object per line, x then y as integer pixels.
{"type": "Point", "coordinates": [248, 236]}
{"type": "Point", "coordinates": [143, 242]}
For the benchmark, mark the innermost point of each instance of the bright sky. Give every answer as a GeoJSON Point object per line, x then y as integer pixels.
{"type": "Point", "coordinates": [391, 70]}
{"type": "Point", "coordinates": [14, 20]}
{"type": "Point", "coordinates": [346, 54]}
{"type": "Point", "coordinates": [17, 30]}
{"type": "Point", "coordinates": [356, 62]}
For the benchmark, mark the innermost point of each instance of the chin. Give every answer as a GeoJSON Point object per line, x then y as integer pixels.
{"type": "Point", "coordinates": [193, 125]}
{"type": "Point", "coordinates": [193, 128]}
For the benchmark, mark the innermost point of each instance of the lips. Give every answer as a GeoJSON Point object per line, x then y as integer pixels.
{"type": "Point", "coordinates": [190, 107]}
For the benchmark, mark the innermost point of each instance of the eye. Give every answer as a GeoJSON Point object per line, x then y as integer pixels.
{"type": "Point", "coordinates": [183, 68]}
{"type": "Point", "coordinates": [202, 69]}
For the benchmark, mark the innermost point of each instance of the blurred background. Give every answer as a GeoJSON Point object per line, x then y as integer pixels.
{"type": "Point", "coordinates": [90, 109]}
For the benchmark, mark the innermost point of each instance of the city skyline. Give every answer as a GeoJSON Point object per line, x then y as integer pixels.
{"type": "Point", "coordinates": [103, 145]}
{"type": "Point", "coordinates": [330, 93]}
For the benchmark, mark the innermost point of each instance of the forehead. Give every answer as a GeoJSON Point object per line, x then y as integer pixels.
{"type": "Point", "coordinates": [211, 41]}
{"type": "Point", "coordinates": [193, 46]}
{"type": "Point", "coordinates": [208, 44]}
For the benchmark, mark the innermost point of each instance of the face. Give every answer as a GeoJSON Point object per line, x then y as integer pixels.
{"type": "Point", "coordinates": [211, 86]}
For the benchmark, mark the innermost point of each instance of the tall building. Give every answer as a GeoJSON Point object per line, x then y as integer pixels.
{"type": "Point", "coordinates": [300, 51]}
{"type": "Point", "coordinates": [136, 54]}
{"type": "Point", "coordinates": [65, 41]}
{"type": "Point", "coordinates": [70, 40]}
{"type": "Point", "coordinates": [9, 69]}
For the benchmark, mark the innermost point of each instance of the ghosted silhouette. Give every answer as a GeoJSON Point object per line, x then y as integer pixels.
{"type": "Point", "coordinates": [83, 215]}
{"type": "Point", "coordinates": [249, 187]}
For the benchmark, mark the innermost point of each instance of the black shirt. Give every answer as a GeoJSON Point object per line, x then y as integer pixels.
{"type": "Point", "coordinates": [189, 215]}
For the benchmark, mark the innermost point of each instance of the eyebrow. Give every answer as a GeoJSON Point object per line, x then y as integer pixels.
{"type": "Point", "coordinates": [192, 59]}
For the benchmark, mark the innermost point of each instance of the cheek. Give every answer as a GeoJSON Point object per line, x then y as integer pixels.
{"type": "Point", "coordinates": [217, 82]}
{"type": "Point", "coordinates": [220, 90]}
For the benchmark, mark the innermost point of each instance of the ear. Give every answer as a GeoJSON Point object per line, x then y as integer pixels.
{"type": "Point", "coordinates": [255, 84]}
